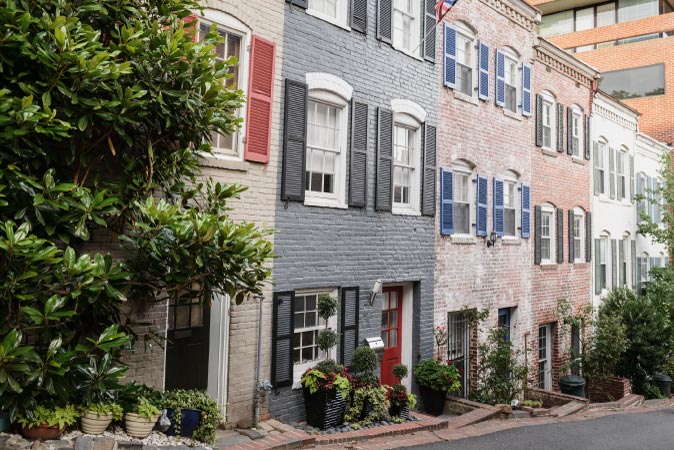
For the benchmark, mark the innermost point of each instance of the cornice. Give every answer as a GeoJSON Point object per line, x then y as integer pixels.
{"type": "Point", "coordinates": [565, 63]}
{"type": "Point", "coordinates": [517, 11]}
{"type": "Point", "coordinates": [613, 116]}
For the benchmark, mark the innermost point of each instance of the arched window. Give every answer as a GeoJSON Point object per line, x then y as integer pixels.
{"type": "Point", "coordinates": [464, 196]}
{"type": "Point", "coordinates": [512, 78]}
{"type": "Point", "coordinates": [511, 204]}
{"type": "Point", "coordinates": [466, 57]}
{"type": "Point", "coordinates": [408, 118]}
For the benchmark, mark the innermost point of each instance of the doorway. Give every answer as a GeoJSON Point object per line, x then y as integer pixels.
{"type": "Point", "coordinates": [545, 357]}
{"type": "Point", "coordinates": [458, 347]}
{"type": "Point", "coordinates": [391, 332]}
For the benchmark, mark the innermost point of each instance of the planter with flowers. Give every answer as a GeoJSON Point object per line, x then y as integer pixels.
{"type": "Point", "coordinates": [435, 380]}
{"type": "Point", "coordinates": [400, 400]}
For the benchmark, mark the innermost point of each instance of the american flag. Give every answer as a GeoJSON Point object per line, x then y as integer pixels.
{"type": "Point", "coordinates": [442, 7]}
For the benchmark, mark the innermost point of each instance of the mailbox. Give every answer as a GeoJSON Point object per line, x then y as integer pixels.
{"type": "Point", "coordinates": [376, 344]}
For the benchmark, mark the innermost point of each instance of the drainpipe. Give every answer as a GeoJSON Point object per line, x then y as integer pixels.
{"type": "Point", "coordinates": [258, 387]}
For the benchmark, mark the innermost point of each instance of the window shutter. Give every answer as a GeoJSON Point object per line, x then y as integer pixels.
{"type": "Point", "coordinates": [447, 202]}
{"type": "Point", "coordinates": [539, 121]}
{"type": "Point", "coordinates": [500, 78]}
{"type": "Point", "coordinates": [384, 199]}
{"type": "Point", "coordinates": [526, 90]}
{"type": "Point", "coordinates": [525, 228]}
{"type": "Point", "coordinates": [358, 163]}
{"type": "Point", "coordinates": [449, 60]}
{"type": "Point", "coordinates": [572, 248]}
{"type": "Point", "coordinates": [560, 236]}
{"type": "Point", "coordinates": [260, 98]}
{"type": "Point", "coordinates": [640, 191]}
{"type": "Point", "coordinates": [569, 130]}
{"type": "Point", "coordinates": [597, 267]}
{"type": "Point", "coordinates": [483, 77]}
{"type": "Point", "coordinates": [588, 136]}
{"type": "Point", "coordinates": [294, 141]}
{"type": "Point", "coordinates": [588, 237]}
{"type": "Point", "coordinates": [282, 339]}
{"type": "Point", "coordinates": [614, 263]}
{"type": "Point", "coordinates": [384, 20]}
{"type": "Point", "coordinates": [359, 15]}
{"type": "Point", "coordinates": [481, 210]}
{"type": "Point", "coordinates": [428, 182]}
{"type": "Point", "coordinates": [656, 205]}
{"type": "Point", "coordinates": [429, 29]}
{"type": "Point", "coordinates": [538, 217]}
{"type": "Point", "coordinates": [632, 186]}
{"type": "Point", "coordinates": [638, 275]}
{"type": "Point", "coordinates": [300, 3]}
{"type": "Point", "coordinates": [621, 257]}
{"type": "Point", "coordinates": [349, 329]}
{"type": "Point", "coordinates": [595, 166]}
{"type": "Point", "coordinates": [611, 171]}
{"type": "Point", "coordinates": [498, 211]}
{"type": "Point", "coordinates": [649, 196]}
{"type": "Point", "coordinates": [635, 266]}
{"type": "Point", "coordinates": [560, 127]}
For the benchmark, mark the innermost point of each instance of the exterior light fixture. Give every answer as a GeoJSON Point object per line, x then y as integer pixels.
{"type": "Point", "coordinates": [491, 241]}
{"type": "Point", "coordinates": [375, 290]}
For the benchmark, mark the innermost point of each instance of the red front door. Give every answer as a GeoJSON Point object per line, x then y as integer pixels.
{"type": "Point", "coordinates": [391, 332]}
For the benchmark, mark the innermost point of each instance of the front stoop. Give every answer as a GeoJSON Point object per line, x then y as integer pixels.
{"type": "Point", "coordinates": [628, 401]}
{"type": "Point", "coordinates": [476, 416]}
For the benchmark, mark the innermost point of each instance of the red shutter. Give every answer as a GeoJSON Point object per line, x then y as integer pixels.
{"type": "Point", "coordinates": [191, 25]}
{"type": "Point", "coordinates": [260, 93]}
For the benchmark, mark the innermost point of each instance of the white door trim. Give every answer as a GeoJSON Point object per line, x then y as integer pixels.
{"type": "Point", "coordinates": [218, 351]}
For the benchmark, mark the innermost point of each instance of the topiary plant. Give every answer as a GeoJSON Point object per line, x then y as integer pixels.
{"type": "Point", "coordinates": [400, 371]}
{"type": "Point", "coordinates": [364, 360]}
{"type": "Point", "coordinates": [327, 307]}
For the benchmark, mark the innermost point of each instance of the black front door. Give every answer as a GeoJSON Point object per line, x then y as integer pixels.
{"type": "Point", "coordinates": [187, 346]}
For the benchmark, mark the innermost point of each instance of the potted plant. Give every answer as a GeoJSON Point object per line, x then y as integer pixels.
{"type": "Point", "coordinates": [192, 413]}
{"type": "Point", "coordinates": [362, 377]}
{"type": "Point", "coordinates": [435, 380]}
{"type": "Point", "coordinates": [139, 423]}
{"type": "Point", "coordinates": [47, 423]}
{"type": "Point", "coordinates": [95, 418]}
{"type": "Point", "coordinates": [401, 401]}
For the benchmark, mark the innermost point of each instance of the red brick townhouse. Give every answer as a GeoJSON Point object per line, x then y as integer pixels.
{"type": "Point", "coordinates": [560, 203]}
{"type": "Point", "coordinates": [485, 143]}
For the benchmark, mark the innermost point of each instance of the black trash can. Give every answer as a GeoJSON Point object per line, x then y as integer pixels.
{"type": "Point", "coordinates": [572, 385]}
{"type": "Point", "coordinates": [664, 383]}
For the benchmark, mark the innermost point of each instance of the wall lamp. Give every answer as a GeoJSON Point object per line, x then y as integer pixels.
{"type": "Point", "coordinates": [375, 290]}
{"type": "Point", "coordinates": [491, 240]}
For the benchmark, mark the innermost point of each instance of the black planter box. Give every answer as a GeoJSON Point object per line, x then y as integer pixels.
{"type": "Point", "coordinates": [432, 401]}
{"type": "Point", "coordinates": [324, 409]}
{"type": "Point", "coordinates": [397, 411]}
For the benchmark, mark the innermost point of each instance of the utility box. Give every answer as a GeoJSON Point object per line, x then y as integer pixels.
{"type": "Point", "coordinates": [376, 344]}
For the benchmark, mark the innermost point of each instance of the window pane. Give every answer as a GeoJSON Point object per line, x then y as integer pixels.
{"type": "Point", "coordinates": [558, 23]}
{"type": "Point", "coordinates": [636, 82]}
{"type": "Point", "coordinates": [393, 338]}
{"type": "Point", "coordinates": [585, 19]}
{"type": "Point", "coordinates": [509, 225]}
{"type": "Point", "coordinates": [605, 14]}
{"type": "Point", "coordinates": [636, 9]}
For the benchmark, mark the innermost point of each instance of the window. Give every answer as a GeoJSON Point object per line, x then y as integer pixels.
{"type": "Point", "coordinates": [621, 183]}
{"type": "Point", "coordinates": [406, 31]}
{"type": "Point", "coordinates": [637, 9]}
{"type": "Point", "coordinates": [643, 269]}
{"type": "Point", "coordinates": [511, 82]}
{"type": "Point", "coordinates": [636, 82]}
{"type": "Point", "coordinates": [578, 234]}
{"type": "Point", "coordinates": [509, 207]}
{"type": "Point", "coordinates": [333, 11]}
{"type": "Point", "coordinates": [504, 322]}
{"type": "Point", "coordinates": [606, 14]}
{"type": "Point", "coordinates": [544, 357]}
{"type": "Point", "coordinates": [603, 261]}
{"type": "Point", "coordinates": [584, 48]}
{"type": "Point", "coordinates": [464, 60]}
{"type": "Point", "coordinates": [600, 167]}
{"type": "Point", "coordinates": [642, 205]}
{"type": "Point", "coordinates": [547, 234]}
{"type": "Point", "coordinates": [462, 196]}
{"type": "Point", "coordinates": [548, 121]}
{"type": "Point", "coordinates": [405, 153]}
{"type": "Point", "coordinates": [585, 19]}
{"type": "Point", "coordinates": [557, 23]}
{"type": "Point", "coordinates": [576, 132]}
{"type": "Point", "coordinates": [625, 246]}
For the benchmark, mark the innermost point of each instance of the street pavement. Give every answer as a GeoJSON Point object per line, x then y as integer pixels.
{"type": "Point", "coordinates": [638, 431]}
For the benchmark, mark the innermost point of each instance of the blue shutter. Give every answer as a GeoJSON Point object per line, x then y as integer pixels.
{"type": "Point", "coordinates": [481, 210]}
{"type": "Point", "coordinates": [483, 77]}
{"type": "Point", "coordinates": [500, 78]}
{"type": "Point", "coordinates": [446, 202]}
{"type": "Point", "coordinates": [526, 212]}
{"type": "Point", "coordinates": [449, 59]}
{"type": "Point", "coordinates": [526, 90]}
{"type": "Point", "coordinates": [498, 207]}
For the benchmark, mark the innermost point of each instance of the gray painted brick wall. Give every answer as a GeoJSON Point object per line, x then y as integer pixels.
{"type": "Point", "coordinates": [326, 247]}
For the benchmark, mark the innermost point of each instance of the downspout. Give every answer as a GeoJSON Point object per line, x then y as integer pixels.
{"type": "Point", "coordinates": [258, 387]}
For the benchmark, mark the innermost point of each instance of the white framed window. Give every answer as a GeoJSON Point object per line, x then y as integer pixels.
{"type": "Point", "coordinates": [577, 132]}
{"type": "Point", "coordinates": [466, 59]}
{"type": "Point", "coordinates": [548, 234]}
{"type": "Point", "coordinates": [237, 38]}
{"type": "Point", "coordinates": [625, 243]}
{"type": "Point", "coordinates": [333, 11]}
{"type": "Point", "coordinates": [406, 164]}
{"type": "Point", "coordinates": [643, 270]}
{"type": "Point", "coordinates": [511, 79]}
{"type": "Point", "coordinates": [510, 205]}
{"type": "Point", "coordinates": [327, 130]}
{"type": "Point", "coordinates": [578, 234]}
{"type": "Point", "coordinates": [642, 205]}
{"type": "Point", "coordinates": [464, 196]}
{"type": "Point", "coordinates": [603, 261]}
{"type": "Point", "coordinates": [548, 121]}
{"type": "Point", "coordinates": [601, 166]}
{"type": "Point", "coordinates": [621, 183]}
{"type": "Point", "coordinates": [545, 357]}
{"type": "Point", "coordinates": [307, 327]}
{"type": "Point", "coordinates": [406, 26]}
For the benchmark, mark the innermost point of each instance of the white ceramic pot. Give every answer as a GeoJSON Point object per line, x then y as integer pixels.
{"type": "Point", "coordinates": [93, 423]}
{"type": "Point", "coordinates": [137, 426]}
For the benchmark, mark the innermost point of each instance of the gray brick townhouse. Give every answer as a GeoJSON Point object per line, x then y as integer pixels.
{"type": "Point", "coordinates": [357, 186]}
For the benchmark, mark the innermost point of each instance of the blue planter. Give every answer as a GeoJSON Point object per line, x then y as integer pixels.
{"type": "Point", "coordinates": [4, 422]}
{"type": "Point", "coordinates": [189, 421]}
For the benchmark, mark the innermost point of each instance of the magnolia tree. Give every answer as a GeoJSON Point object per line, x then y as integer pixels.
{"type": "Point", "coordinates": [105, 109]}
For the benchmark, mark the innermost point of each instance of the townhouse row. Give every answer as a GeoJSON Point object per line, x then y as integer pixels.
{"type": "Point", "coordinates": [417, 161]}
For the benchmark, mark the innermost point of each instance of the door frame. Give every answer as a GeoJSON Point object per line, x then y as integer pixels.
{"type": "Point", "coordinates": [218, 351]}
{"type": "Point", "coordinates": [407, 327]}
{"type": "Point", "coordinates": [547, 380]}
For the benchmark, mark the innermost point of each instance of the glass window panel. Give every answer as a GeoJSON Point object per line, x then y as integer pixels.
{"type": "Point", "coordinates": [307, 354]}
{"type": "Point", "coordinates": [636, 9]}
{"type": "Point", "coordinates": [585, 19]}
{"type": "Point", "coordinates": [310, 319]}
{"type": "Point", "coordinates": [605, 14]}
{"type": "Point", "coordinates": [393, 338]}
{"type": "Point", "coordinates": [311, 302]}
{"type": "Point", "coordinates": [557, 23]}
{"type": "Point", "coordinates": [384, 337]}
{"type": "Point", "coordinates": [636, 82]}
{"type": "Point", "coordinates": [509, 222]}
{"type": "Point", "coordinates": [196, 319]}
{"type": "Point", "coordinates": [585, 48]}
{"type": "Point", "coordinates": [182, 316]}
{"type": "Point", "coordinates": [384, 319]}
{"type": "Point", "coordinates": [296, 356]}
{"type": "Point", "coordinates": [394, 300]}
{"type": "Point", "coordinates": [393, 318]}
{"type": "Point", "coordinates": [299, 320]}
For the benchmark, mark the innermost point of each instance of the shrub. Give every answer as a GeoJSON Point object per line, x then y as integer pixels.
{"type": "Point", "coordinates": [211, 414]}
{"type": "Point", "coordinates": [437, 376]}
{"type": "Point", "coordinates": [400, 371]}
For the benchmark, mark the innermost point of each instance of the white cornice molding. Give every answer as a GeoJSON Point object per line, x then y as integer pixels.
{"type": "Point", "coordinates": [328, 82]}
{"type": "Point", "coordinates": [403, 106]}
{"type": "Point", "coordinates": [564, 62]}
{"type": "Point", "coordinates": [518, 11]}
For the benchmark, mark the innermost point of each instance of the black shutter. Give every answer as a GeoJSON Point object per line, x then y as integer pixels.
{"type": "Point", "coordinates": [560, 235]}
{"type": "Point", "coordinates": [539, 121]}
{"type": "Point", "coordinates": [588, 137]}
{"type": "Point", "coordinates": [282, 339]}
{"type": "Point", "coordinates": [300, 3]}
{"type": "Point", "coordinates": [428, 183]}
{"type": "Point", "coordinates": [538, 216]}
{"type": "Point", "coordinates": [597, 267]}
{"type": "Point", "coordinates": [384, 20]}
{"type": "Point", "coordinates": [384, 198]}
{"type": "Point", "coordinates": [569, 130]}
{"type": "Point", "coordinates": [359, 15]}
{"type": "Point", "coordinates": [358, 165]}
{"type": "Point", "coordinates": [294, 141]}
{"type": "Point", "coordinates": [572, 247]}
{"type": "Point", "coordinates": [428, 39]}
{"type": "Point", "coordinates": [349, 329]}
{"type": "Point", "coordinates": [635, 267]}
{"type": "Point", "coordinates": [588, 237]}
{"type": "Point", "coordinates": [560, 128]}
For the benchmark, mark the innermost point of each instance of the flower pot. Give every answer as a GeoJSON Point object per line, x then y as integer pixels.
{"type": "Point", "coordinates": [433, 401]}
{"type": "Point", "coordinates": [4, 422]}
{"type": "Point", "coordinates": [324, 409]}
{"type": "Point", "coordinates": [189, 421]}
{"type": "Point", "coordinates": [399, 411]}
{"type": "Point", "coordinates": [137, 426]}
{"type": "Point", "coordinates": [42, 432]}
{"type": "Point", "coordinates": [94, 423]}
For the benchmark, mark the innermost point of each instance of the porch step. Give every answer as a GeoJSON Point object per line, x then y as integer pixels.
{"type": "Point", "coordinates": [473, 417]}
{"type": "Point", "coordinates": [567, 409]}
{"type": "Point", "coordinates": [628, 401]}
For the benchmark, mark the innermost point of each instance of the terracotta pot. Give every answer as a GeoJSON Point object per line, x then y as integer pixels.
{"type": "Point", "coordinates": [42, 432]}
{"type": "Point", "coordinates": [94, 423]}
{"type": "Point", "coordinates": [137, 426]}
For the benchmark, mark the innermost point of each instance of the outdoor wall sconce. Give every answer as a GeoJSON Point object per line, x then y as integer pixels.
{"type": "Point", "coordinates": [491, 240]}
{"type": "Point", "coordinates": [375, 290]}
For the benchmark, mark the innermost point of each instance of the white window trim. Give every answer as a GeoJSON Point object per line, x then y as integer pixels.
{"type": "Point", "coordinates": [413, 209]}
{"type": "Point", "coordinates": [509, 54]}
{"type": "Point", "coordinates": [602, 151]}
{"type": "Point", "coordinates": [511, 177]}
{"type": "Point", "coordinates": [416, 50]}
{"type": "Point", "coordinates": [234, 25]}
{"type": "Point", "coordinates": [645, 262]}
{"type": "Point", "coordinates": [332, 90]}
{"type": "Point", "coordinates": [464, 168]}
{"type": "Point", "coordinates": [547, 208]}
{"type": "Point", "coordinates": [625, 242]}
{"type": "Point", "coordinates": [579, 258]}
{"type": "Point", "coordinates": [549, 99]}
{"type": "Point", "coordinates": [299, 369]}
{"type": "Point", "coordinates": [577, 113]}
{"type": "Point", "coordinates": [468, 34]}
{"type": "Point", "coordinates": [341, 20]}
{"type": "Point", "coordinates": [622, 152]}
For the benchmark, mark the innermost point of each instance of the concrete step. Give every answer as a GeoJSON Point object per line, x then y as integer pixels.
{"type": "Point", "coordinates": [572, 407]}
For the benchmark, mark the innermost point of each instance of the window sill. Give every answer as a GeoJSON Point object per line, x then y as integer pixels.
{"type": "Point", "coordinates": [512, 115]}
{"type": "Point", "coordinates": [464, 239]}
{"type": "Point", "coordinates": [400, 211]}
{"type": "Point", "coordinates": [511, 240]}
{"type": "Point", "coordinates": [332, 20]}
{"type": "Point", "coordinates": [580, 262]}
{"type": "Point", "coordinates": [578, 160]}
{"type": "Point", "coordinates": [548, 266]}
{"type": "Point", "coordinates": [224, 162]}
{"type": "Point", "coordinates": [549, 152]}
{"type": "Point", "coordinates": [466, 98]}
{"type": "Point", "coordinates": [324, 203]}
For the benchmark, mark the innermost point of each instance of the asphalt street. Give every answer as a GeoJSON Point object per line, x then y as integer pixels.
{"type": "Point", "coordinates": [639, 431]}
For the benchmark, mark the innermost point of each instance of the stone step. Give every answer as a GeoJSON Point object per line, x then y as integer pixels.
{"type": "Point", "coordinates": [473, 417]}
{"type": "Point", "coordinates": [567, 409]}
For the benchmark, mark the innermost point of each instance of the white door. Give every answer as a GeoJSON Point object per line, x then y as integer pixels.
{"type": "Point", "coordinates": [545, 357]}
